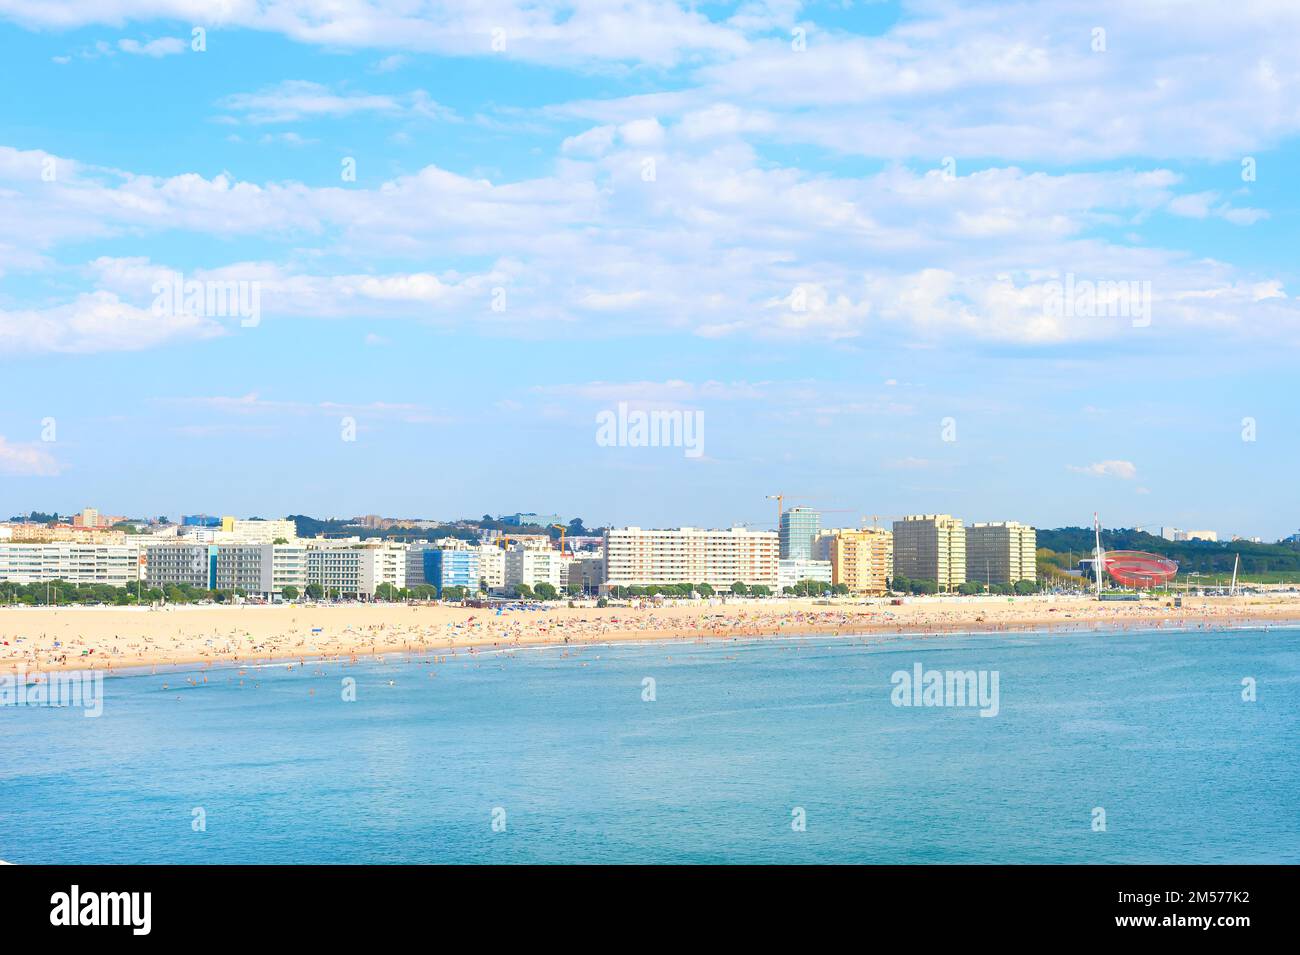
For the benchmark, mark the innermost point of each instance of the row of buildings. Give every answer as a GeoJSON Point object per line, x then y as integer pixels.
{"type": "Point", "coordinates": [264, 557]}
{"type": "Point", "coordinates": [929, 547]}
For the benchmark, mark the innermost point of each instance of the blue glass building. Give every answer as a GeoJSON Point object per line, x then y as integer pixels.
{"type": "Point", "coordinates": [451, 568]}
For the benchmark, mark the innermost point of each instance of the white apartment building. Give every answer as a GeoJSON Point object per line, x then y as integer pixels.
{"type": "Point", "coordinates": [356, 571]}
{"type": "Point", "coordinates": [288, 567]}
{"type": "Point", "coordinates": [1001, 552]}
{"type": "Point", "coordinates": [635, 557]}
{"type": "Point", "coordinates": [117, 565]}
{"type": "Point", "coordinates": [790, 571]}
{"type": "Point", "coordinates": [492, 566]}
{"type": "Point", "coordinates": [524, 565]}
{"type": "Point", "coordinates": [178, 563]}
{"type": "Point", "coordinates": [246, 567]}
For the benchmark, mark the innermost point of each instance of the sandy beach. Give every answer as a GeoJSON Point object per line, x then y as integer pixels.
{"type": "Point", "coordinates": [67, 638]}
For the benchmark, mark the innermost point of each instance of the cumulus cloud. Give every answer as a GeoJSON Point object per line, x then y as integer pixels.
{"type": "Point", "coordinates": [96, 322]}
{"type": "Point", "coordinates": [26, 460]}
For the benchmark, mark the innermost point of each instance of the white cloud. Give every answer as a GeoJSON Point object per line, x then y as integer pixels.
{"type": "Point", "coordinates": [1124, 470]}
{"type": "Point", "coordinates": [26, 460]}
{"type": "Point", "coordinates": [164, 46]}
{"type": "Point", "coordinates": [560, 32]}
{"type": "Point", "coordinates": [96, 322]}
{"type": "Point", "coordinates": [294, 100]}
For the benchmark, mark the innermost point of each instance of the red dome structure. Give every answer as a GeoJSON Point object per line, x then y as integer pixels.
{"type": "Point", "coordinates": [1135, 568]}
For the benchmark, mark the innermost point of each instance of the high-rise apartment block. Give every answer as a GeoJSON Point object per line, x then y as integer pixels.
{"type": "Point", "coordinates": [931, 547]}
{"type": "Point", "coordinates": [1001, 553]}
{"type": "Point", "coordinates": [799, 526]}
{"type": "Point", "coordinates": [635, 557]}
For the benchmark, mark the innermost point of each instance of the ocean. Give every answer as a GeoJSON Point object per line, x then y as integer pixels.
{"type": "Point", "coordinates": [1106, 747]}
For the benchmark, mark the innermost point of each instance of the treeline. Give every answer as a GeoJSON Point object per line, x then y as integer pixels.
{"type": "Point", "coordinates": [62, 593]}
{"type": "Point", "coordinates": [907, 585]}
{"type": "Point", "coordinates": [1069, 544]}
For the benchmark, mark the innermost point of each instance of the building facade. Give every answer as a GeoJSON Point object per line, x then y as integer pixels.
{"type": "Point", "coordinates": [791, 571]}
{"type": "Point", "coordinates": [1003, 552]}
{"type": "Point", "coordinates": [451, 567]}
{"type": "Point", "coordinates": [860, 559]}
{"type": "Point", "coordinates": [174, 564]}
{"type": "Point", "coordinates": [117, 565]}
{"type": "Point", "coordinates": [931, 547]}
{"type": "Point", "coordinates": [530, 567]}
{"type": "Point", "coordinates": [636, 557]}
{"type": "Point", "coordinates": [799, 526]}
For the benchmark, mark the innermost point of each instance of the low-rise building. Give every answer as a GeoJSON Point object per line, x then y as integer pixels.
{"type": "Point", "coordinates": [791, 571]}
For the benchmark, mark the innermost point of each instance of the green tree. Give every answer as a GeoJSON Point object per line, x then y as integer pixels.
{"type": "Point", "coordinates": [315, 591]}
{"type": "Point", "coordinates": [546, 590]}
{"type": "Point", "coordinates": [524, 591]}
{"type": "Point", "coordinates": [704, 590]}
{"type": "Point", "coordinates": [739, 588]}
{"type": "Point", "coordinates": [289, 592]}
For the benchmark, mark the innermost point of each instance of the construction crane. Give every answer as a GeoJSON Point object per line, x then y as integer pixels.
{"type": "Point", "coordinates": [875, 521]}
{"type": "Point", "coordinates": [779, 498]}
{"type": "Point", "coordinates": [562, 530]}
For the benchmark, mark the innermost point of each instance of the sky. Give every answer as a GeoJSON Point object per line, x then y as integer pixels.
{"type": "Point", "coordinates": [854, 244]}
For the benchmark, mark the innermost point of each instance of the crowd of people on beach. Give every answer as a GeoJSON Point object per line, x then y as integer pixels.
{"type": "Point", "coordinates": [311, 635]}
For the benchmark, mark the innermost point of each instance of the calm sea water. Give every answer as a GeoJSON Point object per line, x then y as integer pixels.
{"type": "Point", "coordinates": [1150, 727]}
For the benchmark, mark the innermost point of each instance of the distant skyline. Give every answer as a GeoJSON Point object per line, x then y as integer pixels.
{"type": "Point", "coordinates": [827, 521]}
{"type": "Point", "coordinates": [854, 245]}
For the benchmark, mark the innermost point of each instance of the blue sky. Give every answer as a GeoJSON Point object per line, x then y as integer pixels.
{"type": "Point", "coordinates": [830, 229]}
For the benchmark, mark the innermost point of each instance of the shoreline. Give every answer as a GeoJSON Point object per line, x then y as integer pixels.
{"type": "Point", "coordinates": [52, 640]}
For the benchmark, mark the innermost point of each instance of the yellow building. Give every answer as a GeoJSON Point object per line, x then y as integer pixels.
{"type": "Point", "coordinates": [862, 560]}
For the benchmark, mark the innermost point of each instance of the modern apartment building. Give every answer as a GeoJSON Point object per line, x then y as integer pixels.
{"type": "Point", "coordinates": [586, 571]}
{"type": "Point", "coordinates": [245, 567]}
{"type": "Point", "coordinates": [690, 555]}
{"type": "Point", "coordinates": [288, 567]}
{"type": "Point", "coordinates": [860, 559]}
{"type": "Point", "coordinates": [168, 564]}
{"type": "Point", "coordinates": [796, 570]}
{"type": "Point", "coordinates": [354, 571]}
{"type": "Point", "coordinates": [492, 567]}
{"type": "Point", "coordinates": [931, 547]}
{"type": "Point", "coordinates": [799, 526]}
{"type": "Point", "coordinates": [1001, 553]}
{"type": "Point", "coordinates": [451, 567]}
{"type": "Point", "coordinates": [523, 565]}
{"type": "Point", "coordinates": [117, 565]}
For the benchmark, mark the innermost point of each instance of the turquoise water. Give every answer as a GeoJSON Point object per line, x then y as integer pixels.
{"type": "Point", "coordinates": [1151, 727]}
